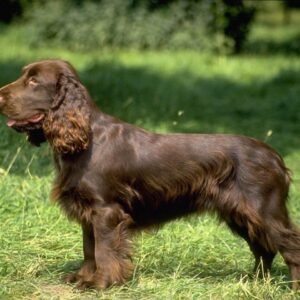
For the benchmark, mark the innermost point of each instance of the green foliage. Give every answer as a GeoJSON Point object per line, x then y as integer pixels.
{"type": "Point", "coordinates": [200, 25]}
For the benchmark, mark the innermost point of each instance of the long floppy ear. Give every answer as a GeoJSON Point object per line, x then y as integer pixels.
{"type": "Point", "coordinates": [67, 125]}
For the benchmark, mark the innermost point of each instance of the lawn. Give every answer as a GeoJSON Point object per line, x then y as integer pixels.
{"type": "Point", "coordinates": [255, 94]}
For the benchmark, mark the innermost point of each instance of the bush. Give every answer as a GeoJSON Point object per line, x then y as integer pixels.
{"type": "Point", "coordinates": [85, 25]}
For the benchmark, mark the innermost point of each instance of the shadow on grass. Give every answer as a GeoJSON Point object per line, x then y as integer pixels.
{"type": "Point", "coordinates": [216, 273]}
{"type": "Point", "coordinates": [180, 102]}
{"type": "Point", "coordinates": [288, 46]}
{"type": "Point", "coordinates": [66, 268]}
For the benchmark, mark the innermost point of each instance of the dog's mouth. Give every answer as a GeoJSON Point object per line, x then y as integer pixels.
{"type": "Point", "coordinates": [23, 122]}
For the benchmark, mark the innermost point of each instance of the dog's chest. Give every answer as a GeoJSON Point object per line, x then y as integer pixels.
{"type": "Point", "coordinates": [70, 194]}
{"type": "Point", "coordinates": [76, 206]}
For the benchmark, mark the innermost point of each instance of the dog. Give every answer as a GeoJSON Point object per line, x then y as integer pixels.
{"type": "Point", "coordinates": [114, 178]}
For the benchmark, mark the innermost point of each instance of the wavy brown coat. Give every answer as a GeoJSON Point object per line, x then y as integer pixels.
{"type": "Point", "coordinates": [115, 178]}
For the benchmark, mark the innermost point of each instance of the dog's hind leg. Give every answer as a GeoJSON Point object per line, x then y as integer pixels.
{"type": "Point", "coordinates": [245, 220]}
{"type": "Point", "coordinates": [263, 256]}
{"type": "Point", "coordinates": [275, 232]}
{"type": "Point", "coordinates": [287, 240]}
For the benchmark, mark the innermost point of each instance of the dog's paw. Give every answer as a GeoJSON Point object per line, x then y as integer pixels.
{"type": "Point", "coordinates": [95, 281]}
{"type": "Point", "coordinates": [70, 278]}
{"type": "Point", "coordinates": [86, 284]}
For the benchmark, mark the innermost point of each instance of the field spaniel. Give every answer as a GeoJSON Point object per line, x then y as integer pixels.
{"type": "Point", "coordinates": [115, 178]}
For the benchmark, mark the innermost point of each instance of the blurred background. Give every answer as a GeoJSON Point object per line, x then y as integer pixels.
{"type": "Point", "coordinates": [212, 25]}
{"type": "Point", "coordinates": [210, 66]}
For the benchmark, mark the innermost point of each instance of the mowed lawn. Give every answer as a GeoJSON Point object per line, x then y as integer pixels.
{"type": "Point", "coordinates": [195, 258]}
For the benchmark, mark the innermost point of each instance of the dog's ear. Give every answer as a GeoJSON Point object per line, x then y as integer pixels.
{"type": "Point", "coordinates": [67, 125]}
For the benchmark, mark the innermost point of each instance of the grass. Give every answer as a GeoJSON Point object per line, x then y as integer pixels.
{"type": "Point", "coordinates": [256, 94]}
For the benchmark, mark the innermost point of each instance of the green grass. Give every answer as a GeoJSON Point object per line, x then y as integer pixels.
{"type": "Point", "coordinates": [254, 94]}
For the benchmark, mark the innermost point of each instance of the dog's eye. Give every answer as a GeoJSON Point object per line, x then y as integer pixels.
{"type": "Point", "coordinates": [32, 81]}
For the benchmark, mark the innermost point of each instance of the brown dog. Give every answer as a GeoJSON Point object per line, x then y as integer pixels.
{"type": "Point", "coordinates": [113, 177]}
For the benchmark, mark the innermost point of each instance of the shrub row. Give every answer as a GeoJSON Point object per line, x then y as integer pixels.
{"type": "Point", "coordinates": [195, 24]}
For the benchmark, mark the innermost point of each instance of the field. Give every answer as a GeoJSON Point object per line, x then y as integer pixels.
{"type": "Point", "coordinates": [255, 94]}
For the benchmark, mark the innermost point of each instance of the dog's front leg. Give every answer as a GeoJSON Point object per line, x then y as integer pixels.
{"type": "Point", "coordinates": [88, 266]}
{"type": "Point", "coordinates": [112, 248]}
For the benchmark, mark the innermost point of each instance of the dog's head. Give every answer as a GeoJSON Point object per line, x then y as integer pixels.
{"type": "Point", "coordinates": [48, 102]}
